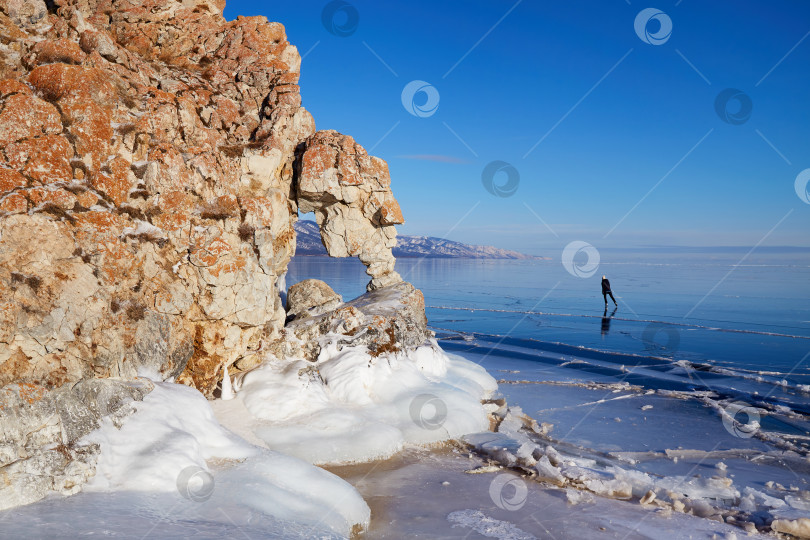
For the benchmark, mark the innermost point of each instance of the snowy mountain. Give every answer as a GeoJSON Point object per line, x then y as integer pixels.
{"type": "Point", "coordinates": [309, 243]}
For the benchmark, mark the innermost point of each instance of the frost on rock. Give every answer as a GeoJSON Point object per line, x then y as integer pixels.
{"type": "Point", "coordinates": [358, 382]}
{"type": "Point", "coordinates": [40, 432]}
{"type": "Point", "coordinates": [389, 319]}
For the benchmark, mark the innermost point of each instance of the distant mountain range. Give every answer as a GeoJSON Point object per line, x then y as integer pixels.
{"type": "Point", "coordinates": [309, 243]}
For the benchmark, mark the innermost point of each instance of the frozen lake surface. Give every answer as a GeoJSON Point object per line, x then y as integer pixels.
{"type": "Point", "coordinates": [702, 371]}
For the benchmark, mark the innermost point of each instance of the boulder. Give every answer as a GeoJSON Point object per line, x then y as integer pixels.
{"type": "Point", "coordinates": [24, 13]}
{"type": "Point", "coordinates": [387, 319]}
{"type": "Point", "coordinates": [310, 298]}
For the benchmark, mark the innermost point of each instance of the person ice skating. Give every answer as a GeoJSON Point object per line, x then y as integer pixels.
{"type": "Point", "coordinates": [606, 291]}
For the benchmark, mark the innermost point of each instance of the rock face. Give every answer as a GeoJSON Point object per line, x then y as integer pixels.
{"type": "Point", "coordinates": [153, 159]}
{"type": "Point", "coordinates": [310, 298]}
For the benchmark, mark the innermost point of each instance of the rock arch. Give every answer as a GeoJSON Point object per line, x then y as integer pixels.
{"type": "Point", "coordinates": [350, 194]}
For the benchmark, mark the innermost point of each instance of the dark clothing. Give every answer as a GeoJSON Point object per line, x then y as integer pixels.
{"type": "Point", "coordinates": [606, 291]}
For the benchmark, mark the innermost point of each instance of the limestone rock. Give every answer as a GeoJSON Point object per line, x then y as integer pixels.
{"type": "Point", "coordinates": [310, 298]}
{"type": "Point", "coordinates": [148, 152]}
{"type": "Point", "coordinates": [350, 193]}
{"type": "Point", "coordinates": [159, 155]}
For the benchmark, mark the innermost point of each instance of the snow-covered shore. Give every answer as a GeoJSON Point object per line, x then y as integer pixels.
{"type": "Point", "coordinates": [254, 453]}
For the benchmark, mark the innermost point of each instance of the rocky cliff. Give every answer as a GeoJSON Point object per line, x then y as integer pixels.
{"type": "Point", "coordinates": [153, 158]}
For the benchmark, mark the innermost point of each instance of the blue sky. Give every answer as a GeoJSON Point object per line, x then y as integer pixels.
{"type": "Point", "coordinates": [631, 149]}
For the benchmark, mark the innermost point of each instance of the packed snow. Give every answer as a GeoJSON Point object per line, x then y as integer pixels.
{"type": "Point", "coordinates": [173, 443]}
{"type": "Point", "coordinates": [352, 407]}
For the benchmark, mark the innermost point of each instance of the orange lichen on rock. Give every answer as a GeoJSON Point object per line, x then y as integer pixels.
{"type": "Point", "coordinates": [31, 393]}
{"type": "Point", "coordinates": [349, 191]}
{"type": "Point", "coordinates": [152, 159]}
{"type": "Point", "coordinates": [115, 180]}
{"type": "Point", "coordinates": [45, 159]}
{"type": "Point", "coordinates": [62, 50]}
{"type": "Point", "coordinates": [24, 116]}
{"type": "Point", "coordinates": [40, 197]}
{"type": "Point", "coordinates": [10, 179]}
{"type": "Point", "coordinates": [13, 203]}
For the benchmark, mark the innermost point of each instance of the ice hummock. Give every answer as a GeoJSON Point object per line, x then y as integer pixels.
{"type": "Point", "coordinates": [626, 441]}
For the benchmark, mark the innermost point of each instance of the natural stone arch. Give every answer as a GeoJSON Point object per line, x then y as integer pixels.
{"type": "Point", "coordinates": [350, 194]}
